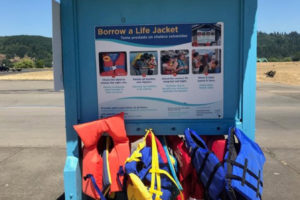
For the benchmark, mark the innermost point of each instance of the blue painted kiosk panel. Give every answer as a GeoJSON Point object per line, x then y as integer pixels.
{"type": "Point", "coordinates": [79, 19]}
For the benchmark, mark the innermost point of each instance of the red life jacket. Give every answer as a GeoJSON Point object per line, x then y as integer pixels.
{"type": "Point", "coordinates": [114, 68]}
{"type": "Point", "coordinates": [90, 133]}
{"type": "Point", "coordinates": [187, 173]}
{"type": "Point", "coordinates": [217, 144]}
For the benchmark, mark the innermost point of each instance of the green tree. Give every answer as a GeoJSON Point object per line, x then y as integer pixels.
{"type": "Point", "coordinates": [7, 63]}
{"type": "Point", "coordinates": [296, 56]}
{"type": "Point", "coordinates": [287, 59]}
{"type": "Point", "coordinates": [24, 63]}
{"type": "Point", "coordinates": [37, 47]}
{"type": "Point", "coordinates": [278, 46]}
{"type": "Point", "coordinates": [274, 59]}
{"type": "Point", "coordinates": [48, 62]}
{"type": "Point", "coordinates": [40, 64]}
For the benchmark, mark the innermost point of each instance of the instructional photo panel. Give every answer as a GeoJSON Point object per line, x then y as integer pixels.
{"type": "Point", "coordinates": [166, 71]}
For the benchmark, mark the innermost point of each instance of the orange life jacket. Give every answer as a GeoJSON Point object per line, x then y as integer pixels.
{"type": "Point", "coordinates": [90, 133]}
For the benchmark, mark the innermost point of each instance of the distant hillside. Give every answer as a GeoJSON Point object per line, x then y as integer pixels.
{"type": "Point", "coordinates": [35, 47]}
{"type": "Point", "coordinates": [279, 46]}
{"type": "Point", "coordinates": [273, 46]}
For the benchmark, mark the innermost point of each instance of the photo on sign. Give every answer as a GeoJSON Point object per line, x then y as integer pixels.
{"type": "Point", "coordinates": [143, 63]}
{"type": "Point", "coordinates": [174, 62]}
{"type": "Point", "coordinates": [206, 35]}
{"type": "Point", "coordinates": [206, 61]}
{"type": "Point", "coordinates": [113, 64]}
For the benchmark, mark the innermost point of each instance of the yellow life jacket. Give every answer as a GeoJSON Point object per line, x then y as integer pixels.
{"type": "Point", "coordinates": [150, 182]}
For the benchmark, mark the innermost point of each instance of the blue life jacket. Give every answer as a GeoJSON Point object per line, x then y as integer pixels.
{"type": "Point", "coordinates": [241, 178]}
{"type": "Point", "coordinates": [209, 169]}
{"type": "Point", "coordinates": [243, 166]}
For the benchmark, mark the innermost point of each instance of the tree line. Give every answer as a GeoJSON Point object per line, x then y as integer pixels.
{"type": "Point", "coordinates": [278, 46]}
{"type": "Point", "coordinates": [25, 51]}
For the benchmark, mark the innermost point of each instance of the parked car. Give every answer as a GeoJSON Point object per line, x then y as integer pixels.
{"type": "Point", "coordinates": [16, 69]}
{"type": "Point", "coordinates": [4, 69]}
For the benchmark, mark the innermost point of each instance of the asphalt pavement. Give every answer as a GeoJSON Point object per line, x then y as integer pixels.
{"type": "Point", "coordinates": [278, 133]}
{"type": "Point", "coordinates": [32, 140]}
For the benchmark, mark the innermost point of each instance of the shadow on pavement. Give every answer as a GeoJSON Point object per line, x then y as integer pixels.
{"type": "Point", "coordinates": [61, 197]}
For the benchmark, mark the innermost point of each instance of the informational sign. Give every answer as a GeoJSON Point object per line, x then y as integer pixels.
{"type": "Point", "coordinates": [169, 71]}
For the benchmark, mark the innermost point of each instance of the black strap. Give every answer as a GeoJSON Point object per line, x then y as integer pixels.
{"type": "Point", "coordinates": [234, 177]}
{"type": "Point", "coordinates": [231, 152]}
{"type": "Point", "coordinates": [244, 172]}
{"type": "Point", "coordinates": [232, 162]}
{"type": "Point", "coordinates": [211, 176]}
{"type": "Point", "coordinates": [203, 163]}
{"type": "Point", "coordinates": [225, 196]}
{"type": "Point", "coordinates": [231, 156]}
{"type": "Point", "coordinates": [257, 187]}
{"type": "Point", "coordinates": [231, 193]}
{"type": "Point", "coordinates": [206, 194]}
{"type": "Point", "coordinates": [194, 152]}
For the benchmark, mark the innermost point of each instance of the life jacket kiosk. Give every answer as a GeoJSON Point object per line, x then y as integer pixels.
{"type": "Point", "coordinates": [211, 97]}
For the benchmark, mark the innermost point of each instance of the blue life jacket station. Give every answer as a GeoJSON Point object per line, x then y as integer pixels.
{"type": "Point", "coordinates": [184, 71]}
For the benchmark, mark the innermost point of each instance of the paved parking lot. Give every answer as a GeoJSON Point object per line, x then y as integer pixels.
{"type": "Point", "coordinates": [278, 132]}
{"type": "Point", "coordinates": [32, 140]}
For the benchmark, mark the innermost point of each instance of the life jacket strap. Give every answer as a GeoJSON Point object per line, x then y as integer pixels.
{"type": "Point", "coordinates": [204, 162]}
{"type": "Point", "coordinates": [119, 174]}
{"type": "Point", "coordinates": [244, 172]}
{"type": "Point", "coordinates": [255, 188]}
{"type": "Point", "coordinates": [155, 186]}
{"type": "Point", "coordinates": [157, 192]}
{"type": "Point", "coordinates": [161, 171]}
{"type": "Point", "coordinates": [106, 168]}
{"type": "Point", "coordinates": [95, 186]}
{"type": "Point", "coordinates": [211, 176]}
{"type": "Point", "coordinates": [155, 168]}
{"type": "Point", "coordinates": [232, 162]}
{"type": "Point", "coordinates": [170, 164]}
{"type": "Point", "coordinates": [231, 193]}
{"type": "Point", "coordinates": [136, 155]}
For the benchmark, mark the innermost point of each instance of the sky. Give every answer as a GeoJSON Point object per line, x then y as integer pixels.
{"type": "Point", "coordinates": [26, 17]}
{"type": "Point", "coordinates": [278, 15]}
{"type": "Point", "coordinates": [33, 17]}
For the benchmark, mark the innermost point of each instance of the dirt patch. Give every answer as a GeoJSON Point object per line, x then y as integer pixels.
{"type": "Point", "coordinates": [39, 75]}
{"type": "Point", "coordinates": [286, 72]}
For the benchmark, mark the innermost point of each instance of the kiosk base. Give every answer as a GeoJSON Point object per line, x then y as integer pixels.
{"type": "Point", "coordinates": [72, 177]}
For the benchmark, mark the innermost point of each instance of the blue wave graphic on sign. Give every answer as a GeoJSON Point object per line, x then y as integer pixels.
{"type": "Point", "coordinates": [135, 44]}
{"type": "Point", "coordinates": [167, 101]}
